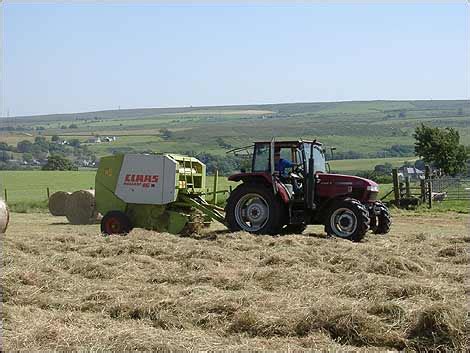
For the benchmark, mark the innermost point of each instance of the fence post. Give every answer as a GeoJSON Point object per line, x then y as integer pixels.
{"type": "Point", "coordinates": [48, 193]}
{"type": "Point", "coordinates": [6, 195]}
{"type": "Point", "coordinates": [422, 185]}
{"type": "Point", "coordinates": [427, 172]}
{"type": "Point", "coordinates": [396, 186]}
{"type": "Point", "coordinates": [429, 193]}
{"type": "Point", "coordinates": [214, 192]}
{"type": "Point", "coordinates": [407, 187]}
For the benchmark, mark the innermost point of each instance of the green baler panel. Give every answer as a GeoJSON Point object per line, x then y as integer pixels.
{"type": "Point", "coordinates": [105, 185]}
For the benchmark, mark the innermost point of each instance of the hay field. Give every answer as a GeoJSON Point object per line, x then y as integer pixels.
{"type": "Point", "coordinates": [68, 288]}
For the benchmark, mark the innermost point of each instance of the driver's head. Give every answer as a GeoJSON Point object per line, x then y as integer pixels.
{"type": "Point", "coordinates": [277, 155]}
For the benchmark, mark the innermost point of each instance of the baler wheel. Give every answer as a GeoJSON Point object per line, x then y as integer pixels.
{"type": "Point", "coordinates": [115, 222]}
{"type": "Point", "coordinates": [348, 219]}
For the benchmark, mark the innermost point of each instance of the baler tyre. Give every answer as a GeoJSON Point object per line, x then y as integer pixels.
{"type": "Point", "coordinates": [294, 229]}
{"type": "Point", "coordinates": [255, 209]}
{"type": "Point", "coordinates": [115, 222]}
{"type": "Point", "coordinates": [384, 220]}
{"type": "Point", "coordinates": [348, 219]}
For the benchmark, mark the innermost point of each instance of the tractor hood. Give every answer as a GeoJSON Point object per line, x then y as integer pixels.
{"type": "Point", "coordinates": [355, 180]}
{"type": "Point", "coordinates": [331, 185]}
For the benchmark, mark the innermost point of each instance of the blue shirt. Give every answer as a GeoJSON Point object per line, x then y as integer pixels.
{"type": "Point", "coordinates": [282, 165]}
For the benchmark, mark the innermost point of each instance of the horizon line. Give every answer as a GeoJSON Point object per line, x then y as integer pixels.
{"type": "Point", "coordinates": [229, 105]}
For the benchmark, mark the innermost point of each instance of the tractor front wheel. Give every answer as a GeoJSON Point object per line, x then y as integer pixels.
{"type": "Point", "coordinates": [115, 222]}
{"type": "Point", "coordinates": [255, 209]}
{"type": "Point", "coordinates": [348, 219]}
{"type": "Point", "coordinates": [383, 219]}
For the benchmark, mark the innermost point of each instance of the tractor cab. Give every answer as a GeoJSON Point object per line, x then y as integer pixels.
{"type": "Point", "coordinates": [288, 158]}
{"type": "Point", "coordinates": [287, 165]}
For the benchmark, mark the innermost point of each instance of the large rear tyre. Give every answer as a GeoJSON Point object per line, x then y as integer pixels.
{"type": "Point", "coordinates": [383, 219]}
{"type": "Point", "coordinates": [115, 222]}
{"type": "Point", "coordinates": [255, 209]}
{"type": "Point", "coordinates": [348, 219]}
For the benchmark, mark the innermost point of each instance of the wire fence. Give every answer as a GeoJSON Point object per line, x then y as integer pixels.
{"type": "Point", "coordinates": [451, 188]}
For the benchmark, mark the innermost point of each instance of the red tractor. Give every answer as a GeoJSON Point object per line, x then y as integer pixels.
{"type": "Point", "coordinates": [289, 187]}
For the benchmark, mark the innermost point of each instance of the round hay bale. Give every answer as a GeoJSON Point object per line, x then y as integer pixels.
{"type": "Point", "coordinates": [4, 216]}
{"type": "Point", "coordinates": [80, 207]}
{"type": "Point", "coordinates": [57, 203]}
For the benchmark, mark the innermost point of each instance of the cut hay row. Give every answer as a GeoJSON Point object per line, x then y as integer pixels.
{"type": "Point", "coordinates": [57, 202]}
{"type": "Point", "coordinates": [4, 216]}
{"type": "Point", "coordinates": [68, 288]}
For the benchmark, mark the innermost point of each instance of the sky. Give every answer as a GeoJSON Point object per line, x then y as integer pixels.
{"type": "Point", "coordinates": [76, 57]}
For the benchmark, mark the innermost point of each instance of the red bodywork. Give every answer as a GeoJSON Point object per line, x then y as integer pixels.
{"type": "Point", "coordinates": [328, 186]}
{"type": "Point", "coordinates": [334, 185]}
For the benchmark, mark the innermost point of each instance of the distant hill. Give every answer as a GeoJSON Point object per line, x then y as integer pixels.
{"type": "Point", "coordinates": [283, 108]}
{"type": "Point", "coordinates": [358, 129]}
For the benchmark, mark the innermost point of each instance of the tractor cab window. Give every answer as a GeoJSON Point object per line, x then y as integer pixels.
{"type": "Point", "coordinates": [319, 163]}
{"type": "Point", "coordinates": [261, 158]}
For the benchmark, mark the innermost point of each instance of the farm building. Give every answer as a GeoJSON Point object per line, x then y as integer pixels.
{"type": "Point", "coordinates": [412, 172]}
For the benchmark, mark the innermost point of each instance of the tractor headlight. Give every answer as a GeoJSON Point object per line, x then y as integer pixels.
{"type": "Point", "coordinates": [373, 188]}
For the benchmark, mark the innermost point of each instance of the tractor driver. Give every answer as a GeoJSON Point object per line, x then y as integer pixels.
{"type": "Point", "coordinates": [280, 164]}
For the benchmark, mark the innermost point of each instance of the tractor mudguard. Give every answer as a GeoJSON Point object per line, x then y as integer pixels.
{"type": "Point", "coordinates": [247, 177]}
{"type": "Point", "coordinates": [264, 178]}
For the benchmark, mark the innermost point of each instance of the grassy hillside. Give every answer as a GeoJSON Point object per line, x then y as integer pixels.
{"type": "Point", "coordinates": [369, 129]}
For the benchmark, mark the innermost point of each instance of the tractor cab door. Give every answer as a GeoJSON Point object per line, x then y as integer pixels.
{"type": "Point", "coordinates": [309, 165]}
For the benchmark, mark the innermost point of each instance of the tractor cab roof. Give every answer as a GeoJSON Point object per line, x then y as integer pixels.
{"type": "Point", "coordinates": [278, 144]}
{"type": "Point", "coordinates": [289, 143]}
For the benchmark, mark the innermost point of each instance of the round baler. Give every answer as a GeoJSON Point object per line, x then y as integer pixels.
{"type": "Point", "coordinates": [162, 192]}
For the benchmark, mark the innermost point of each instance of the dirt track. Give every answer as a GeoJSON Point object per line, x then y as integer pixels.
{"type": "Point", "coordinates": [66, 287]}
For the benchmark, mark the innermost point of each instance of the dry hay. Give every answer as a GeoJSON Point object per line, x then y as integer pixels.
{"type": "Point", "coordinates": [80, 207]}
{"type": "Point", "coordinates": [68, 288]}
{"type": "Point", "coordinates": [4, 216]}
{"type": "Point", "coordinates": [57, 203]}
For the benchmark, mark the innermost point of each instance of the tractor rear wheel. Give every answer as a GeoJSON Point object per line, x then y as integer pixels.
{"type": "Point", "coordinates": [255, 209]}
{"type": "Point", "coordinates": [348, 219]}
{"type": "Point", "coordinates": [383, 219]}
{"type": "Point", "coordinates": [115, 222]}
